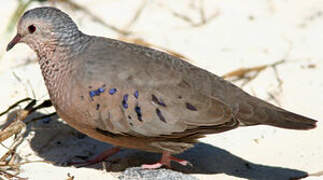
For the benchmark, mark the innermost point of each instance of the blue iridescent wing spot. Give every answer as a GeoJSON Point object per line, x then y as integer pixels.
{"type": "Point", "coordinates": [136, 94]}
{"type": "Point", "coordinates": [124, 101]}
{"type": "Point", "coordinates": [112, 91]}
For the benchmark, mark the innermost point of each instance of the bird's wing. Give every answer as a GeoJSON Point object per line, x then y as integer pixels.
{"type": "Point", "coordinates": [149, 93]}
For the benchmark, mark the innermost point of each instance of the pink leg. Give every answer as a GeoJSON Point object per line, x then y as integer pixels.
{"type": "Point", "coordinates": [166, 160]}
{"type": "Point", "coordinates": [101, 157]}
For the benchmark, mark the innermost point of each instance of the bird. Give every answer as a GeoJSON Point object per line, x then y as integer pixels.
{"type": "Point", "coordinates": [137, 97]}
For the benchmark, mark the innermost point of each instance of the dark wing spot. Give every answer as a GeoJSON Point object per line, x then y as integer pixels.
{"type": "Point", "coordinates": [112, 91]}
{"type": "Point", "coordinates": [129, 117]}
{"type": "Point", "coordinates": [161, 102]}
{"type": "Point", "coordinates": [92, 94]}
{"type": "Point", "coordinates": [124, 101]}
{"type": "Point", "coordinates": [96, 92]}
{"type": "Point", "coordinates": [160, 115]}
{"type": "Point", "coordinates": [157, 101]}
{"type": "Point", "coordinates": [97, 106]}
{"type": "Point", "coordinates": [190, 107]}
{"type": "Point", "coordinates": [125, 97]}
{"type": "Point", "coordinates": [125, 105]}
{"type": "Point", "coordinates": [138, 111]}
{"type": "Point", "coordinates": [154, 98]}
{"type": "Point", "coordinates": [136, 94]}
{"type": "Point", "coordinates": [101, 90]}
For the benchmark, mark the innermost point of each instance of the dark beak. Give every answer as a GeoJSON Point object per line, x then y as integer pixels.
{"type": "Point", "coordinates": [14, 41]}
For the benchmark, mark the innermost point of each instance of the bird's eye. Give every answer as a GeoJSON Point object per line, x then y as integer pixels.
{"type": "Point", "coordinates": [31, 29]}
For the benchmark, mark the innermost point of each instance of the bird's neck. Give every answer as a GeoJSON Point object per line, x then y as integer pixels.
{"type": "Point", "coordinates": [63, 46]}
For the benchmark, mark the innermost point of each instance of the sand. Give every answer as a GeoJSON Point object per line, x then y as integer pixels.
{"type": "Point", "coordinates": [239, 34]}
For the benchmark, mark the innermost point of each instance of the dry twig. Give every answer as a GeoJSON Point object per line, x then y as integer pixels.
{"type": "Point", "coordinates": [94, 17]}
{"type": "Point", "coordinates": [10, 176]}
{"type": "Point", "coordinates": [248, 74]}
{"type": "Point", "coordinates": [137, 14]}
{"type": "Point", "coordinates": [14, 126]}
{"type": "Point", "coordinates": [200, 9]}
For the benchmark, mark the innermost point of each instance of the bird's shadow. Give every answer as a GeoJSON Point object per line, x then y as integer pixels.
{"type": "Point", "coordinates": [59, 143]}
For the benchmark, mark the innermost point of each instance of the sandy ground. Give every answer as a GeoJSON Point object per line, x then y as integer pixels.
{"type": "Point", "coordinates": [242, 34]}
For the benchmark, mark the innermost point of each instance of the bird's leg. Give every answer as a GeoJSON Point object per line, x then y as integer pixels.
{"type": "Point", "coordinates": [99, 158]}
{"type": "Point", "coordinates": [166, 160]}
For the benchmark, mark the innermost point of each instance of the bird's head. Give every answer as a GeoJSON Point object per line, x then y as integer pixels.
{"type": "Point", "coordinates": [44, 26]}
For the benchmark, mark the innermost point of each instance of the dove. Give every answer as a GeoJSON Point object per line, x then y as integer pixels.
{"type": "Point", "coordinates": [137, 97]}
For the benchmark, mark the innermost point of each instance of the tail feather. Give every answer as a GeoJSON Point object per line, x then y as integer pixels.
{"type": "Point", "coordinates": [256, 111]}
{"type": "Point", "coordinates": [289, 120]}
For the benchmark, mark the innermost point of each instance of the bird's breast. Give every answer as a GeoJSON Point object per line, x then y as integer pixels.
{"type": "Point", "coordinates": [57, 77]}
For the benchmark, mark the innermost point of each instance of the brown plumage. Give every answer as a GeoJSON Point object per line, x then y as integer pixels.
{"type": "Point", "coordinates": [136, 97]}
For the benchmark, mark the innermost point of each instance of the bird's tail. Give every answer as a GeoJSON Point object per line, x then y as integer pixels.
{"type": "Point", "coordinates": [268, 114]}
{"type": "Point", "coordinates": [289, 120]}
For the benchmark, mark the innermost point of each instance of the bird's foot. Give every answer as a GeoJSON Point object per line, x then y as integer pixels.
{"type": "Point", "coordinates": [166, 161]}
{"type": "Point", "coordinates": [152, 166]}
{"type": "Point", "coordinates": [101, 157]}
